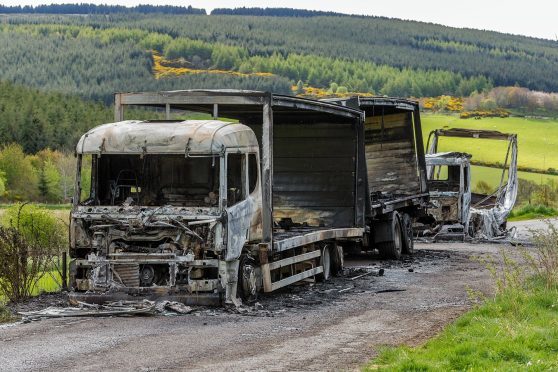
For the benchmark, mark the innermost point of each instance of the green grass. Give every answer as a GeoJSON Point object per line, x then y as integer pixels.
{"type": "Point", "coordinates": [492, 176]}
{"type": "Point", "coordinates": [50, 282]}
{"type": "Point", "coordinates": [515, 331]}
{"type": "Point", "coordinates": [5, 314]}
{"type": "Point", "coordinates": [537, 139]}
{"type": "Point", "coordinates": [529, 212]}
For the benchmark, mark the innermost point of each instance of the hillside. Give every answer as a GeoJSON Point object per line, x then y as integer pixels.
{"type": "Point", "coordinates": [95, 55]}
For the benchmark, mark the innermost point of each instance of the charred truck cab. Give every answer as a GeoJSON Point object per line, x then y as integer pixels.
{"type": "Point", "coordinates": [214, 211]}
{"type": "Point", "coordinates": [449, 181]}
{"type": "Point", "coordinates": [167, 201]}
{"type": "Point", "coordinates": [459, 213]}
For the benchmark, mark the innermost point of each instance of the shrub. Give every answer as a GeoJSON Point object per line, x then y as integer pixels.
{"type": "Point", "coordinates": [28, 242]}
{"type": "Point", "coordinates": [545, 261]}
{"type": "Point", "coordinates": [477, 114]}
{"type": "Point", "coordinates": [37, 225]}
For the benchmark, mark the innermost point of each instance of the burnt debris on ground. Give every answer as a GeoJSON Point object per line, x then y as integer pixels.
{"type": "Point", "coordinates": [362, 274]}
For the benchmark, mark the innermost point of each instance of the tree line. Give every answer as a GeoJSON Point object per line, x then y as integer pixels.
{"type": "Point", "coordinates": [274, 12]}
{"type": "Point", "coordinates": [514, 98]}
{"type": "Point", "coordinates": [98, 9]}
{"type": "Point", "coordinates": [47, 176]}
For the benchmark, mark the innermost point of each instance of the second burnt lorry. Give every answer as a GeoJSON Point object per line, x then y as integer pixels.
{"type": "Point", "coordinates": [215, 211]}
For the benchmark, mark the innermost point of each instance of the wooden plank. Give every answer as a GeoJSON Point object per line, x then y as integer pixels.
{"type": "Point", "coordinates": [406, 153]}
{"type": "Point", "coordinates": [389, 145]}
{"type": "Point", "coordinates": [389, 121]}
{"type": "Point", "coordinates": [391, 184]}
{"type": "Point", "coordinates": [390, 188]}
{"type": "Point", "coordinates": [375, 170]}
{"type": "Point", "coordinates": [291, 260]}
{"type": "Point", "coordinates": [388, 179]}
{"type": "Point", "coordinates": [296, 278]}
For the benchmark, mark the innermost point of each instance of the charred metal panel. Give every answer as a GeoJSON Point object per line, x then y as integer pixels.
{"type": "Point", "coordinates": [314, 180]}
{"type": "Point", "coordinates": [239, 218]}
{"type": "Point", "coordinates": [392, 166]}
{"type": "Point", "coordinates": [302, 236]}
{"type": "Point", "coordinates": [390, 154]}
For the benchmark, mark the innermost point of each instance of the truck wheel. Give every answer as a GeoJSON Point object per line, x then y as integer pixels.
{"type": "Point", "coordinates": [392, 249]}
{"type": "Point", "coordinates": [325, 262]}
{"type": "Point", "coordinates": [247, 288]}
{"type": "Point", "coordinates": [407, 229]}
{"type": "Point", "coordinates": [336, 259]}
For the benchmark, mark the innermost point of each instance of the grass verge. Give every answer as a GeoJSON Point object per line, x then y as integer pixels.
{"type": "Point", "coordinates": [530, 212]}
{"type": "Point", "coordinates": [516, 330]}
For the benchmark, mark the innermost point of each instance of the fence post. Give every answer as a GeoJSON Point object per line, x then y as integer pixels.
{"type": "Point", "coordinates": [64, 271]}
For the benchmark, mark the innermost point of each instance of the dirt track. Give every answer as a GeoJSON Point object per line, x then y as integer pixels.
{"type": "Point", "coordinates": [309, 327]}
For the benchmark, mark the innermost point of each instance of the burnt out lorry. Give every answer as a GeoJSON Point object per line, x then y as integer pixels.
{"type": "Point", "coordinates": [214, 211]}
{"type": "Point", "coordinates": [458, 212]}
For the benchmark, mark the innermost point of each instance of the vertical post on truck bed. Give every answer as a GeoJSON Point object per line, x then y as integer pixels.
{"type": "Point", "coordinates": [118, 108]}
{"type": "Point", "coordinates": [267, 170]}
{"type": "Point", "coordinates": [420, 148]}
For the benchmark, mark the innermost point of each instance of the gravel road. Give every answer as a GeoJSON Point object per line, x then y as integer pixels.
{"type": "Point", "coordinates": [311, 327]}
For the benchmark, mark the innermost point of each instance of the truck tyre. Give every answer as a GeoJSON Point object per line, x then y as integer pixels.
{"type": "Point", "coordinates": [407, 230]}
{"type": "Point", "coordinates": [336, 255]}
{"type": "Point", "coordinates": [325, 263]}
{"type": "Point", "coordinates": [392, 249]}
{"type": "Point", "coordinates": [247, 289]}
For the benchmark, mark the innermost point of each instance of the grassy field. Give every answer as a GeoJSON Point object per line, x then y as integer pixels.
{"type": "Point", "coordinates": [62, 211]}
{"type": "Point", "coordinates": [537, 139]}
{"type": "Point", "coordinates": [492, 176]}
{"type": "Point", "coordinates": [514, 331]}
